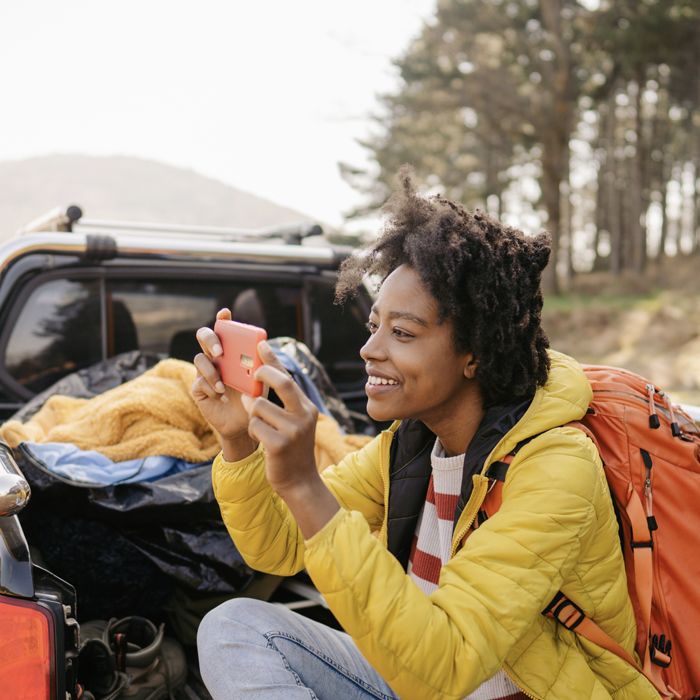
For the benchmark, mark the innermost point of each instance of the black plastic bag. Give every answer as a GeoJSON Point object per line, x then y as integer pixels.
{"type": "Point", "coordinates": [126, 547]}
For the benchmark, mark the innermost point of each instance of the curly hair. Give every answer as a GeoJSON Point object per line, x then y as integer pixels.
{"type": "Point", "coordinates": [484, 275]}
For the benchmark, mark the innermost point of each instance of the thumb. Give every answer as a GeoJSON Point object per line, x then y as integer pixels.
{"type": "Point", "coordinates": [268, 356]}
{"type": "Point", "coordinates": [247, 402]}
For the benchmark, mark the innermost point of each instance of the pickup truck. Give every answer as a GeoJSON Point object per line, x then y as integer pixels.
{"type": "Point", "coordinates": [75, 292]}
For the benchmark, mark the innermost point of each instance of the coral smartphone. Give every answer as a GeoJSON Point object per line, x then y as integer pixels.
{"type": "Point", "coordinates": [240, 359]}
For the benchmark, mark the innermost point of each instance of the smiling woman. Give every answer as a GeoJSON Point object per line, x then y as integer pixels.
{"type": "Point", "coordinates": [437, 601]}
{"type": "Point", "coordinates": [414, 369]}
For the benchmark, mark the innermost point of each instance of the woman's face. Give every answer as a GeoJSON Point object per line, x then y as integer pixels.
{"type": "Point", "coordinates": [413, 368]}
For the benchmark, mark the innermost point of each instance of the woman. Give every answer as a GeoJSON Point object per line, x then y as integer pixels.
{"type": "Point", "coordinates": [457, 358]}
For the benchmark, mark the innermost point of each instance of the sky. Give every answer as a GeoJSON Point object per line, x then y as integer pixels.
{"type": "Point", "coordinates": [264, 95]}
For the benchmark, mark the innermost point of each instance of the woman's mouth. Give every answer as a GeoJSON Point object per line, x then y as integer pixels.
{"type": "Point", "coordinates": [376, 386]}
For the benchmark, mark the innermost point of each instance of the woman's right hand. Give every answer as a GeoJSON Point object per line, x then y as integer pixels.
{"type": "Point", "coordinates": [219, 404]}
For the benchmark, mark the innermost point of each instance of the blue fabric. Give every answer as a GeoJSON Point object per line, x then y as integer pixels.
{"type": "Point", "coordinates": [87, 466]}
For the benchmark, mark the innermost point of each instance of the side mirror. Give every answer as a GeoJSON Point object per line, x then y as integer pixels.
{"type": "Point", "coordinates": [14, 489]}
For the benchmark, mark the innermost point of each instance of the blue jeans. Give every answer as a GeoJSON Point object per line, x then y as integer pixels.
{"type": "Point", "coordinates": [253, 650]}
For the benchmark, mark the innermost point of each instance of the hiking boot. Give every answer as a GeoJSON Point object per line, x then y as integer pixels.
{"type": "Point", "coordinates": [97, 670]}
{"type": "Point", "coordinates": [154, 665]}
{"type": "Point", "coordinates": [130, 659]}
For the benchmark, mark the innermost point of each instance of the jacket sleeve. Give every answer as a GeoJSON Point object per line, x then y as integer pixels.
{"type": "Point", "coordinates": [447, 644]}
{"type": "Point", "coordinates": [259, 521]}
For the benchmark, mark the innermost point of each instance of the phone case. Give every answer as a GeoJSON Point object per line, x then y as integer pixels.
{"type": "Point", "coordinates": [240, 359]}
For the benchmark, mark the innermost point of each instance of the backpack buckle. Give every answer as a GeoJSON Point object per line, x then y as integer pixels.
{"type": "Point", "coordinates": [660, 651]}
{"type": "Point", "coordinates": [565, 612]}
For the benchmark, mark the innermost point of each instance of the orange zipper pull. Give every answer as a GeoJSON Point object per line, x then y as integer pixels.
{"type": "Point", "coordinates": [675, 428]}
{"type": "Point", "coordinates": [648, 501]}
{"type": "Point", "coordinates": [654, 421]}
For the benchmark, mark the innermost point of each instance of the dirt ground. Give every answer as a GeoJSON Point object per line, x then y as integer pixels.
{"type": "Point", "coordinates": [650, 326]}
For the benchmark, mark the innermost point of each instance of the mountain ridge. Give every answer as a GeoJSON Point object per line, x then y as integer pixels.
{"type": "Point", "coordinates": [125, 188]}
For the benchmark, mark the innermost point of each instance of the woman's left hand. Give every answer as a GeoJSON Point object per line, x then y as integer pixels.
{"type": "Point", "coordinates": [287, 433]}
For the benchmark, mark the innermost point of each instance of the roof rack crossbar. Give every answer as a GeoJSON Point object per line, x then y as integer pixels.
{"type": "Point", "coordinates": [289, 233]}
{"type": "Point", "coordinates": [68, 219]}
{"type": "Point", "coordinates": [58, 219]}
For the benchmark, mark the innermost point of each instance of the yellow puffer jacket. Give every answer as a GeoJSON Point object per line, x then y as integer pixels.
{"type": "Point", "coordinates": [555, 530]}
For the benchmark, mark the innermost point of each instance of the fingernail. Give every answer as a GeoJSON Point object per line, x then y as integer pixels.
{"type": "Point", "coordinates": [224, 398]}
{"type": "Point", "coordinates": [216, 350]}
{"type": "Point", "coordinates": [219, 386]}
{"type": "Point", "coordinates": [246, 401]}
{"type": "Point", "coordinates": [264, 346]}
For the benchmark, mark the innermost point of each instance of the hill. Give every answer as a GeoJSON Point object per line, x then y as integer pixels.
{"type": "Point", "coordinates": [121, 187]}
{"type": "Point", "coordinates": [649, 326]}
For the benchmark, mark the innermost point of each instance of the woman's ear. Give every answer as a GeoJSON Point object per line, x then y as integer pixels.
{"type": "Point", "coordinates": [470, 366]}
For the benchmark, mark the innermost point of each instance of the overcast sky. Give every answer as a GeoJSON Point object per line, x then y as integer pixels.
{"type": "Point", "coordinates": [266, 95]}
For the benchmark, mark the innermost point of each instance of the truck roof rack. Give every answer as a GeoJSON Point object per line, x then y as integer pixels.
{"type": "Point", "coordinates": [67, 219]}
{"type": "Point", "coordinates": [58, 219]}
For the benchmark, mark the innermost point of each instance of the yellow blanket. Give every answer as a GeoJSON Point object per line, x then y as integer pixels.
{"type": "Point", "coordinates": [153, 414]}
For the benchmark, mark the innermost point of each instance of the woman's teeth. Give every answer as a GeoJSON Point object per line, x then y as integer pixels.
{"type": "Point", "coordinates": [380, 380]}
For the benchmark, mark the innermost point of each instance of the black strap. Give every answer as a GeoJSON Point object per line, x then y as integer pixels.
{"type": "Point", "coordinates": [557, 598]}
{"type": "Point", "coordinates": [498, 471]}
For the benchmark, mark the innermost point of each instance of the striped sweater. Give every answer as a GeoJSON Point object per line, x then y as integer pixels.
{"type": "Point", "coordinates": [432, 544]}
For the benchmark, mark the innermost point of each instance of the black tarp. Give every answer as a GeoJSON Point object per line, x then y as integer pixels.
{"type": "Point", "coordinates": [128, 548]}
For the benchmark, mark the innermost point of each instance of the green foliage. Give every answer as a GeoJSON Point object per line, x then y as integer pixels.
{"type": "Point", "coordinates": [493, 89]}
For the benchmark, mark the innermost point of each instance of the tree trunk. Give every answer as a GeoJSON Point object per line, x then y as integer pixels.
{"type": "Point", "coordinates": [555, 139]}
{"type": "Point", "coordinates": [686, 233]}
{"type": "Point", "coordinates": [550, 195]}
{"type": "Point", "coordinates": [601, 217]}
{"type": "Point", "coordinates": [602, 211]}
{"type": "Point", "coordinates": [664, 221]}
{"type": "Point", "coordinates": [695, 197]}
{"type": "Point", "coordinates": [567, 221]}
{"type": "Point", "coordinates": [637, 177]}
{"type": "Point", "coordinates": [613, 198]}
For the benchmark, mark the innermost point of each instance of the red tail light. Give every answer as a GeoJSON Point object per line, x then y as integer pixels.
{"type": "Point", "coordinates": [26, 650]}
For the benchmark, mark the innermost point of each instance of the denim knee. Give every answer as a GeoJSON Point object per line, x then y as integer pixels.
{"type": "Point", "coordinates": [239, 619]}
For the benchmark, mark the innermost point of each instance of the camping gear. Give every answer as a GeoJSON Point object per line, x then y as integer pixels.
{"type": "Point", "coordinates": [651, 455]}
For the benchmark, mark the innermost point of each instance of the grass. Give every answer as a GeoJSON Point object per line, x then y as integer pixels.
{"type": "Point", "coordinates": [649, 301]}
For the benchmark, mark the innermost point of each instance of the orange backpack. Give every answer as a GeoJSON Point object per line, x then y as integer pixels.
{"type": "Point", "coordinates": [651, 454]}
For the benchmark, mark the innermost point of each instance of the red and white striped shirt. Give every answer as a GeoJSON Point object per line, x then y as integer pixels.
{"type": "Point", "coordinates": [432, 544]}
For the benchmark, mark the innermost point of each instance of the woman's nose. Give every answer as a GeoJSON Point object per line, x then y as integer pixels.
{"type": "Point", "coordinates": [373, 349]}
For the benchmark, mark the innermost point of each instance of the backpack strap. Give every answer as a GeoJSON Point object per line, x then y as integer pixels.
{"type": "Point", "coordinates": [497, 475]}
{"type": "Point", "coordinates": [569, 615]}
{"type": "Point", "coordinates": [656, 655]}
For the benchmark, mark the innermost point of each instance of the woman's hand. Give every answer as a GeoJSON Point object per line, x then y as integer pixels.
{"type": "Point", "coordinates": [288, 433]}
{"type": "Point", "coordinates": [219, 404]}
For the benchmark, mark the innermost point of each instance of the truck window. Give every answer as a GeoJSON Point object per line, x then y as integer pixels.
{"type": "Point", "coordinates": [57, 332]}
{"type": "Point", "coordinates": [338, 333]}
{"type": "Point", "coordinates": [59, 329]}
{"type": "Point", "coordinates": [165, 314]}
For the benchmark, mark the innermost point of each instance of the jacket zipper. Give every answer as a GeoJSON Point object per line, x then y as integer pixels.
{"type": "Point", "coordinates": [387, 437]}
{"type": "Point", "coordinates": [658, 407]}
{"type": "Point", "coordinates": [522, 690]}
{"type": "Point", "coordinates": [481, 487]}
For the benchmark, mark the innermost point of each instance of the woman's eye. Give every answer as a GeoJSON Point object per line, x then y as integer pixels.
{"type": "Point", "coordinates": [401, 334]}
{"type": "Point", "coordinates": [371, 326]}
